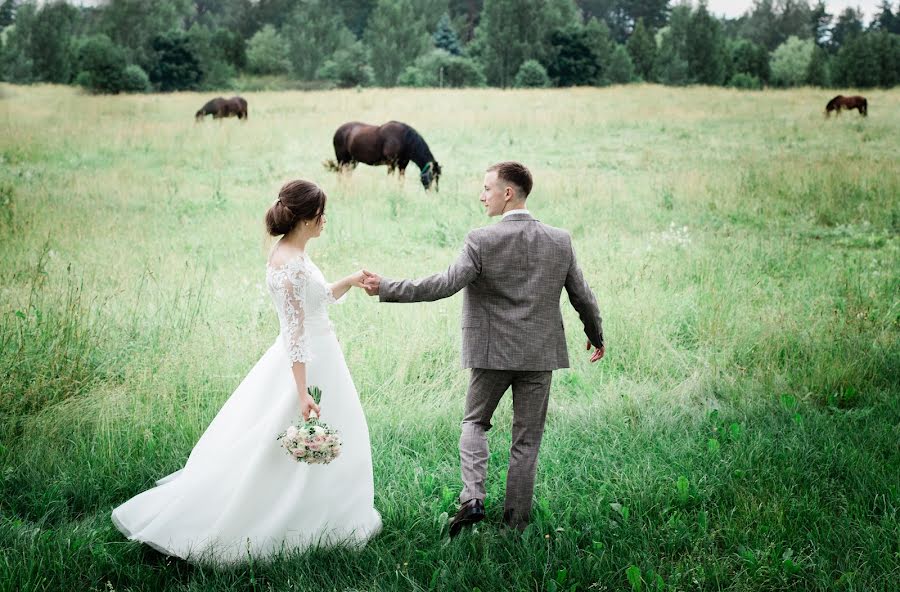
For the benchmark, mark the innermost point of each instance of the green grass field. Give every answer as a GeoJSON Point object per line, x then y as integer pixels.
{"type": "Point", "coordinates": [742, 433]}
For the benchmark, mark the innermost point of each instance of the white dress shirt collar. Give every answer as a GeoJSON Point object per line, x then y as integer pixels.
{"type": "Point", "coordinates": [519, 211]}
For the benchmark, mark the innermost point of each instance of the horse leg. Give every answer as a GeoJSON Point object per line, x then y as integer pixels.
{"type": "Point", "coordinates": [391, 152]}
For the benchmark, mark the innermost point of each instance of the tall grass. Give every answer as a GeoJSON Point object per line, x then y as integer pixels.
{"type": "Point", "coordinates": [741, 433]}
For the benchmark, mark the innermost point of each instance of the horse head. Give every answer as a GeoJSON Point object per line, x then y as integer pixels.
{"type": "Point", "coordinates": [431, 173]}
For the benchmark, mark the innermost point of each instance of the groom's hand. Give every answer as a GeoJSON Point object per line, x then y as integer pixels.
{"type": "Point", "coordinates": [371, 283]}
{"type": "Point", "coordinates": [597, 354]}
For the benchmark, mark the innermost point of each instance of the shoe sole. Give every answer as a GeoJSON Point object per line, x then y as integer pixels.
{"type": "Point", "coordinates": [457, 527]}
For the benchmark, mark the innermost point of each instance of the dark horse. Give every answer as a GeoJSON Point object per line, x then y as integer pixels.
{"type": "Point", "coordinates": [841, 102]}
{"type": "Point", "coordinates": [220, 107]}
{"type": "Point", "coordinates": [393, 144]}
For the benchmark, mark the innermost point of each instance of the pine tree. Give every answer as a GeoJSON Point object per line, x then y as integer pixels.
{"type": "Point", "coordinates": [817, 71]}
{"type": "Point", "coordinates": [858, 63]}
{"type": "Point", "coordinates": [821, 24]}
{"type": "Point", "coordinates": [849, 25]}
{"type": "Point", "coordinates": [445, 37]}
{"type": "Point", "coordinates": [621, 68]}
{"type": "Point", "coordinates": [671, 65]}
{"type": "Point", "coordinates": [705, 48]}
{"type": "Point", "coordinates": [886, 46]}
{"type": "Point", "coordinates": [641, 47]}
{"type": "Point", "coordinates": [574, 62]}
{"type": "Point", "coordinates": [7, 13]}
{"type": "Point", "coordinates": [886, 20]}
{"type": "Point", "coordinates": [599, 39]}
{"type": "Point", "coordinates": [175, 66]}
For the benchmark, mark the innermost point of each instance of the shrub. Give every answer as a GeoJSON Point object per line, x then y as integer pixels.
{"type": "Point", "coordinates": [134, 79]}
{"type": "Point", "coordinates": [440, 68]}
{"type": "Point", "coordinates": [412, 76]}
{"type": "Point", "coordinates": [101, 64]}
{"type": "Point", "coordinates": [348, 67]}
{"type": "Point", "coordinates": [790, 61]}
{"type": "Point", "coordinates": [267, 52]}
{"type": "Point", "coordinates": [532, 74]}
{"type": "Point", "coordinates": [745, 81]}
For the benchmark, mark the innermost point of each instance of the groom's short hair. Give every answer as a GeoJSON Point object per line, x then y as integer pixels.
{"type": "Point", "coordinates": [515, 173]}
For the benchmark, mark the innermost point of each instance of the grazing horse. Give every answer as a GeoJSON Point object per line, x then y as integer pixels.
{"type": "Point", "coordinates": [210, 108]}
{"type": "Point", "coordinates": [220, 107]}
{"type": "Point", "coordinates": [841, 102]}
{"type": "Point", "coordinates": [393, 144]}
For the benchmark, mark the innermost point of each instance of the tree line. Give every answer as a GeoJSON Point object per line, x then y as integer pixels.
{"type": "Point", "coordinates": [166, 45]}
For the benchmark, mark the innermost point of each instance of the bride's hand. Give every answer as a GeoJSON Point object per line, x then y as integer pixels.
{"type": "Point", "coordinates": [307, 404]}
{"type": "Point", "coordinates": [357, 279]}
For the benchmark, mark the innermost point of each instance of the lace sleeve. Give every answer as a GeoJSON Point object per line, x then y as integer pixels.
{"type": "Point", "coordinates": [330, 299]}
{"type": "Point", "coordinates": [292, 289]}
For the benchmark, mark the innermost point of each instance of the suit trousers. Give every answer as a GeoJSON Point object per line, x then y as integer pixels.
{"type": "Point", "coordinates": [531, 392]}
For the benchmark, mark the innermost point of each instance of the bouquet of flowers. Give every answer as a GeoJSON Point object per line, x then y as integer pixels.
{"type": "Point", "coordinates": [311, 441]}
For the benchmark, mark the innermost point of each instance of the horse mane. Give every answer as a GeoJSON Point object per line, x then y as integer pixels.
{"type": "Point", "coordinates": [419, 151]}
{"type": "Point", "coordinates": [833, 101]}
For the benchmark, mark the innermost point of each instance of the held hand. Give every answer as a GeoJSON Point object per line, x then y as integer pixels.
{"type": "Point", "coordinates": [357, 280]}
{"type": "Point", "coordinates": [371, 283]}
{"type": "Point", "coordinates": [598, 353]}
{"type": "Point", "coordinates": [307, 404]}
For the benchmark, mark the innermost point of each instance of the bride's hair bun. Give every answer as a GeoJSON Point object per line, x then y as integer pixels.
{"type": "Point", "coordinates": [297, 201]}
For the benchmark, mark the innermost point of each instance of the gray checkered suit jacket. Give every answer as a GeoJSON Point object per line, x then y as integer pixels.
{"type": "Point", "coordinates": [512, 274]}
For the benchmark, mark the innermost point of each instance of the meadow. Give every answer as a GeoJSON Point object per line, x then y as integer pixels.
{"type": "Point", "coordinates": [742, 432]}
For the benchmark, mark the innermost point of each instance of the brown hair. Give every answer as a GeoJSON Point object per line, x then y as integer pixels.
{"type": "Point", "coordinates": [297, 201]}
{"type": "Point", "coordinates": [515, 173]}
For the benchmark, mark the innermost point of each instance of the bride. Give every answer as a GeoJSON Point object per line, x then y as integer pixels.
{"type": "Point", "coordinates": [239, 494]}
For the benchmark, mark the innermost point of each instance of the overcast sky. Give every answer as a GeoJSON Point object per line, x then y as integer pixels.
{"type": "Point", "coordinates": [734, 8]}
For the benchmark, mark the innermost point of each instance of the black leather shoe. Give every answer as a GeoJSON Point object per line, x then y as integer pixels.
{"type": "Point", "coordinates": [469, 513]}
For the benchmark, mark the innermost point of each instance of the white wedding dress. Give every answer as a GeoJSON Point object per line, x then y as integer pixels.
{"type": "Point", "coordinates": [240, 494]}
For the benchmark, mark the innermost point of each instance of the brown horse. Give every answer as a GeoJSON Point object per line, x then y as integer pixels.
{"type": "Point", "coordinates": [210, 108]}
{"type": "Point", "coordinates": [841, 102]}
{"type": "Point", "coordinates": [220, 107]}
{"type": "Point", "coordinates": [393, 144]}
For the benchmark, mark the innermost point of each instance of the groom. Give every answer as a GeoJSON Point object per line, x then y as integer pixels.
{"type": "Point", "coordinates": [512, 274]}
